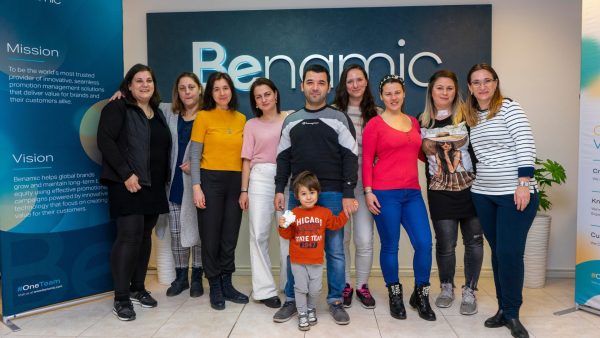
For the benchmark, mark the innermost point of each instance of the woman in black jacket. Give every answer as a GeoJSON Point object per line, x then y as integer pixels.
{"type": "Point", "coordinates": [134, 139]}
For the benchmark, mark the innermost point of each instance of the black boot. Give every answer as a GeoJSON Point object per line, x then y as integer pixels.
{"type": "Point", "coordinates": [420, 300]}
{"type": "Point", "coordinates": [180, 283]}
{"type": "Point", "coordinates": [496, 321]}
{"type": "Point", "coordinates": [217, 301]}
{"type": "Point", "coordinates": [517, 329]}
{"type": "Point", "coordinates": [196, 288]}
{"type": "Point", "coordinates": [230, 293]}
{"type": "Point", "coordinates": [397, 309]}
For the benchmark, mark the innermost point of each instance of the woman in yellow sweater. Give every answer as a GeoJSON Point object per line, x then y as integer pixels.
{"type": "Point", "coordinates": [216, 145]}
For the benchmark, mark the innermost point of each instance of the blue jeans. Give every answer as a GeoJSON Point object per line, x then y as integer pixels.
{"type": "Point", "coordinates": [334, 250]}
{"type": "Point", "coordinates": [406, 207]}
{"type": "Point", "coordinates": [505, 229]}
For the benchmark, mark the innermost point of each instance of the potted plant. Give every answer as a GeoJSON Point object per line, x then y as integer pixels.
{"type": "Point", "coordinates": [547, 173]}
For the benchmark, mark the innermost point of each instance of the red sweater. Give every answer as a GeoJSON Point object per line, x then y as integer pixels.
{"type": "Point", "coordinates": [397, 154]}
{"type": "Point", "coordinates": [307, 233]}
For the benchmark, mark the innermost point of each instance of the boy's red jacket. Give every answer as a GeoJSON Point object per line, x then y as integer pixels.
{"type": "Point", "coordinates": [307, 233]}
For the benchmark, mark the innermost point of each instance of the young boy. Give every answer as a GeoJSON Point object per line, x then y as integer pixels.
{"type": "Point", "coordinates": [307, 241]}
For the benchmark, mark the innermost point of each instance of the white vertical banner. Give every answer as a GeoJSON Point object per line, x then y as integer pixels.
{"type": "Point", "coordinates": [587, 272]}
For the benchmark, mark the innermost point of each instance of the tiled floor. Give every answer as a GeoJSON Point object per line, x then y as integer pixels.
{"type": "Point", "coordinates": [183, 316]}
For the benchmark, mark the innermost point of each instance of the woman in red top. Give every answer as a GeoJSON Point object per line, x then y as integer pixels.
{"type": "Point", "coordinates": [393, 195]}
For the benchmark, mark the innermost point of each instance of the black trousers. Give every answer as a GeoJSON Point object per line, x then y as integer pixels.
{"type": "Point", "coordinates": [219, 223]}
{"type": "Point", "coordinates": [131, 253]}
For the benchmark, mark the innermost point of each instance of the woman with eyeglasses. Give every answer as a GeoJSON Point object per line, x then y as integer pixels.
{"type": "Point", "coordinates": [504, 192]}
{"type": "Point", "coordinates": [391, 147]}
{"type": "Point", "coordinates": [449, 171]}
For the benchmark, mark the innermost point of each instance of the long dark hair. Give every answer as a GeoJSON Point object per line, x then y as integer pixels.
{"type": "Point", "coordinates": [124, 86]}
{"type": "Point", "coordinates": [208, 100]}
{"type": "Point", "coordinates": [263, 81]}
{"type": "Point", "coordinates": [440, 153]}
{"type": "Point", "coordinates": [368, 109]}
{"type": "Point", "coordinates": [177, 105]}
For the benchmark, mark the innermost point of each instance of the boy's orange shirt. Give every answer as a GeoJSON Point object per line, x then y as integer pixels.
{"type": "Point", "coordinates": [307, 233]}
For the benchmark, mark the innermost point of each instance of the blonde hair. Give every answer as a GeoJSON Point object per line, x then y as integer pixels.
{"type": "Point", "coordinates": [427, 119]}
{"type": "Point", "coordinates": [471, 106]}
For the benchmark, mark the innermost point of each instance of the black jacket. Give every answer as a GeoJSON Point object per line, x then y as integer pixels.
{"type": "Point", "coordinates": [124, 141]}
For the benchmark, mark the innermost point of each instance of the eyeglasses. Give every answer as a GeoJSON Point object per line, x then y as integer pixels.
{"type": "Point", "coordinates": [484, 82]}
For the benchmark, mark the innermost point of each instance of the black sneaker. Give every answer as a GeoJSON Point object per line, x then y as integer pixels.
{"type": "Point", "coordinates": [273, 302]}
{"type": "Point", "coordinates": [347, 293]}
{"type": "Point", "coordinates": [143, 298]}
{"type": "Point", "coordinates": [286, 312]}
{"type": "Point", "coordinates": [340, 316]}
{"type": "Point", "coordinates": [366, 299]}
{"type": "Point", "coordinates": [124, 310]}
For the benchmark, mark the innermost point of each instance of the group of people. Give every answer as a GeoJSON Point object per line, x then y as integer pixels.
{"type": "Point", "coordinates": [198, 160]}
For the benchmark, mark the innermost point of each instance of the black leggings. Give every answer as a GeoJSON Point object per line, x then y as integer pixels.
{"type": "Point", "coordinates": [219, 223]}
{"type": "Point", "coordinates": [131, 253]}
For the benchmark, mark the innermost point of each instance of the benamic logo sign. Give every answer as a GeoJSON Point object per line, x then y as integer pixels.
{"type": "Point", "coordinates": [243, 69]}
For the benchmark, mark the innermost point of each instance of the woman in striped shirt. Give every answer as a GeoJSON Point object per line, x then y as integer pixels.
{"type": "Point", "coordinates": [504, 192]}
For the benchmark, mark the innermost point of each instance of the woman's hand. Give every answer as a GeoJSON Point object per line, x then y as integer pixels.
{"type": "Point", "coordinates": [199, 199]}
{"type": "Point", "coordinates": [116, 96]}
{"type": "Point", "coordinates": [372, 203]}
{"type": "Point", "coordinates": [522, 197]}
{"type": "Point", "coordinates": [185, 167]}
{"type": "Point", "coordinates": [132, 185]}
{"type": "Point", "coordinates": [244, 203]}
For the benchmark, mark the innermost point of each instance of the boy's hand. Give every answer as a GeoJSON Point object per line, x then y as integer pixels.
{"type": "Point", "coordinates": [288, 218]}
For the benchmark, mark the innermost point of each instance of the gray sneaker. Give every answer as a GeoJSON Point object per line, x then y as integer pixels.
{"type": "Point", "coordinates": [312, 317]}
{"type": "Point", "coordinates": [340, 316]}
{"type": "Point", "coordinates": [303, 324]}
{"type": "Point", "coordinates": [286, 312]}
{"type": "Point", "coordinates": [446, 297]}
{"type": "Point", "coordinates": [468, 306]}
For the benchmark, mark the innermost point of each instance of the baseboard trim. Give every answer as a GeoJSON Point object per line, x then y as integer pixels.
{"type": "Point", "coordinates": [406, 272]}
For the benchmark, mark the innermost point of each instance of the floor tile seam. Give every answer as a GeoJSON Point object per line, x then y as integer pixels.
{"type": "Point", "coordinates": [237, 319]}
{"type": "Point", "coordinates": [377, 322]}
{"type": "Point", "coordinates": [451, 327]}
{"type": "Point", "coordinates": [167, 320]}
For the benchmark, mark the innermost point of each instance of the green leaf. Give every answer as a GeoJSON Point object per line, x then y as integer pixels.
{"type": "Point", "coordinates": [547, 173]}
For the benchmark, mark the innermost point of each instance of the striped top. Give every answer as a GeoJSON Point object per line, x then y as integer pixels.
{"type": "Point", "coordinates": [505, 150]}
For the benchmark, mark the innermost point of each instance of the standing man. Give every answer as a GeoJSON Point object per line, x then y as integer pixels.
{"type": "Point", "coordinates": [322, 140]}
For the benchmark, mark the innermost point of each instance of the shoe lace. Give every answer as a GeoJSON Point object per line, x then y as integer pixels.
{"type": "Point", "coordinates": [347, 291]}
{"type": "Point", "coordinates": [337, 306]}
{"type": "Point", "coordinates": [446, 290]}
{"type": "Point", "coordinates": [468, 295]}
{"type": "Point", "coordinates": [426, 291]}
{"type": "Point", "coordinates": [364, 291]}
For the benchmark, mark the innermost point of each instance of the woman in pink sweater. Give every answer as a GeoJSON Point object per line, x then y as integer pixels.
{"type": "Point", "coordinates": [393, 195]}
